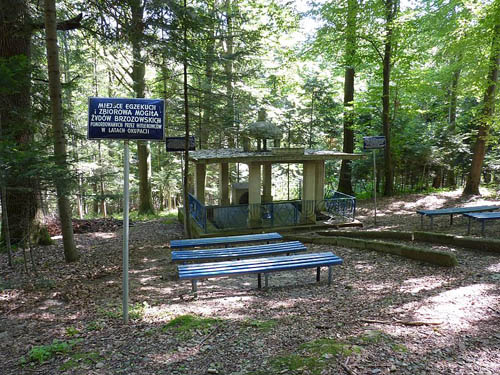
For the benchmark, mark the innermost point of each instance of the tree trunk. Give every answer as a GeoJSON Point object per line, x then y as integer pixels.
{"type": "Point", "coordinates": [15, 104]}
{"type": "Point", "coordinates": [391, 8]}
{"type": "Point", "coordinates": [228, 69]}
{"type": "Point", "coordinates": [187, 214]}
{"type": "Point", "coordinates": [139, 84]}
{"type": "Point", "coordinates": [452, 119]}
{"type": "Point", "coordinates": [486, 114]}
{"type": "Point", "coordinates": [345, 182]}
{"type": "Point", "coordinates": [70, 251]}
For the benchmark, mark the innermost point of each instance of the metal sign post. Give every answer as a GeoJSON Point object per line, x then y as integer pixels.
{"type": "Point", "coordinates": [123, 118]}
{"type": "Point", "coordinates": [126, 169]}
{"type": "Point", "coordinates": [374, 187]}
{"type": "Point", "coordinates": [374, 143]}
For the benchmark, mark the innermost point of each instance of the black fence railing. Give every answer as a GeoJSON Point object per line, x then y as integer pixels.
{"type": "Point", "coordinates": [272, 214]}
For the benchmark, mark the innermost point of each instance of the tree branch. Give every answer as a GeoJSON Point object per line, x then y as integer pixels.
{"type": "Point", "coordinates": [70, 24]}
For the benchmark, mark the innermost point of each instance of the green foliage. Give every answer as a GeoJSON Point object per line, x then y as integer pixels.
{"type": "Point", "coordinates": [135, 311]}
{"type": "Point", "coordinates": [43, 353]}
{"type": "Point", "coordinates": [96, 325]}
{"type": "Point", "coordinates": [76, 359]}
{"type": "Point", "coordinates": [263, 325]}
{"type": "Point", "coordinates": [314, 356]}
{"type": "Point", "coordinates": [72, 331]}
{"type": "Point", "coordinates": [44, 238]}
{"type": "Point", "coordinates": [185, 324]}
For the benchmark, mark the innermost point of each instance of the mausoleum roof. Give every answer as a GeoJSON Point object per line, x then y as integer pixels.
{"type": "Point", "coordinates": [280, 155]}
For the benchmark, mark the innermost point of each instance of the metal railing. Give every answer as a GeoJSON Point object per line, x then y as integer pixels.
{"type": "Point", "coordinates": [198, 212]}
{"type": "Point", "coordinates": [338, 205]}
{"type": "Point", "coordinates": [272, 214]}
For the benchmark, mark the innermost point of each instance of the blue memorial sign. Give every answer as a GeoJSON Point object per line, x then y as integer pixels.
{"type": "Point", "coordinates": [179, 143]}
{"type": "Point", "coordinates": [370, 143]}
{"type": "Point", "coordinates": [123, 118]}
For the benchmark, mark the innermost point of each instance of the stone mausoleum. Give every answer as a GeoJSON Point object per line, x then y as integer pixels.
{"type": "Point", "coordinates": [252, 205]}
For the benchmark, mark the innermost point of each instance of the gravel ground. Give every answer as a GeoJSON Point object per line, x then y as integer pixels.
{"type": "Point", "coordinates": [384, 314]}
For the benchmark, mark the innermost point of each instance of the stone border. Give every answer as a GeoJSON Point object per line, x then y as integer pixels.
{"type": "Point", "coordinates": [432, 237]}
{"type": "Point", "coordinates": [439, 258]}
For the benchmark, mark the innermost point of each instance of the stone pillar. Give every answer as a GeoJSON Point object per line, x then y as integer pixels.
{"type": "Point", "coordinates": [309, 192]}
{"type": "Point", "coordinates": [320, 185]}
{"type": "Point", "coordinates": [254, 198]}
{"type": "Point", "coordinates": [267, 183]}
{"type": "Point", "coordinates": [224, 184]}
{"type": "Point", "coordinates": [199, 187]}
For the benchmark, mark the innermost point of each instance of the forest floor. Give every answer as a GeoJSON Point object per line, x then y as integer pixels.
{"type": "Point", "coordinates": [384, 314]}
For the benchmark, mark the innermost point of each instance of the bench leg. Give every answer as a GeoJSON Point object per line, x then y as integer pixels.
{"type": "Point", "coordinates": [451, 219]}
{"type": "Point", "coordinates": [432, 222]}
{"type": "Point", "coordinates": [266, 280]}
{"type": "Point", "coordinates": [330, 273]}
{"type": "Point", "coordinates": [259, 281]}
{"type": "Point", "coordinates": [318, 269]}
{"type": "Point", "coordinates": [421, 221]}
{"type": "Point", "coordinates": [194, 286]}
{"type": "Point", "coordinates": [468, 227]}
{"type": "Point", "coordinates": [482, 227]}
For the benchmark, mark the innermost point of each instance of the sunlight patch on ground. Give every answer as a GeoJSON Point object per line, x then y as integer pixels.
{"type": "Point", "coordinates": [416, 285]}
{"type": "Point", "coordinates": [104, 235]}
{"type": "Point", "coordinates": [494, 268]}
{"type": "Point", "coordinates": [458, 307]}
{"type": "Point", "coordinates": [363, 267]}
{"type": "Point", "coordinates": [428, 202]}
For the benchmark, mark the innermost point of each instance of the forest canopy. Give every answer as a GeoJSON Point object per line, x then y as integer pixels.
{"type": "Point", "coordinates": [422, 73]}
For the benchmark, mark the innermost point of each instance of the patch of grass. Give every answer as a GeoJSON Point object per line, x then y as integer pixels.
{"type": "Point", "coordinates": [373, 337]}
{"type": "Point", "coordinates": [135, 311]}
{"type": "Point", "coordinates": [72, 331]}
{"type": "Point", "coordinates": [295, 362]}
{"type": "Point", "coordinates": [95, 325]}
{"type": "Point", "coordinates": [17, 261]}
{"type": "Point", "coordinates": [263, 325]}
{"type": "Point", "coordinates": [77, 359]}
{"type": "Point", "coordinates": [314, 356]}
{"type": "Point", "coordinates": [45, 284]}
{"type": "Point", "coordinates": [168, 216]}
{"type": "Point", "coordinates": [110, 312]}
{"type": "Point", "coordinates": [42, 353]}
{"type": "Point", "coordinates": [399, 348]}
{"type": "Point", "coordinates": [327, 346]}
{"type": "Point", "coordinates": [188, 323]}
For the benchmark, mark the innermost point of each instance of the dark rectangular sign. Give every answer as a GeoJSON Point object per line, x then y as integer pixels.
{"type": "Point", "coordinates": [124, 118]}
{"type": "Point", "coordinates": [370, 143]}
{"type": "Point", "coordinates": [178, 143]}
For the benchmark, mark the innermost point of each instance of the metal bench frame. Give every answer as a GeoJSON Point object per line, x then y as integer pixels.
{"type": "Point", "coordinates": [259, 266]}
{"type": "Point", "coordinates": [482, 217]}
{"type": "Point", "coordinates": [452, 211]}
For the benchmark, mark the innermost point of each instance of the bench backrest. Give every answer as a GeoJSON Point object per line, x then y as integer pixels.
{"type": "Point", "coordinates": [203, 242]}
{"type": "Point", "coordinates": [238, 252]}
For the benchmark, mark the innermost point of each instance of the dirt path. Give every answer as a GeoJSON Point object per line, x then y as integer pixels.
{"type": "Point", "coordinates": [384, 314]}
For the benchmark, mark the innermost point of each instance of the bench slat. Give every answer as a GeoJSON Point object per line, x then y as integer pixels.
{"type": "Point", "coordinates": [457, 210]}
{"type": "Point", "coordinates": [260, 265]}
{"type": "Point", "coordinates": [484, 215]}
{"type": "Point", "coordinates": [199, 242]}
{"type": "Point", "coordinates": [238, 252]}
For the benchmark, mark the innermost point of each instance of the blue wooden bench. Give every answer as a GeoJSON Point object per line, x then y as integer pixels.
{"type": "Point", "coordinates": [238, 252]}
{"type": "Point", "coordinates": [260, 266]}
{"type": "Point", "coordinates": [452, 211]}
{"type": "Point", "coordinates": [230, 240]}
{"type": "Point", "coordinates": [482, 217]}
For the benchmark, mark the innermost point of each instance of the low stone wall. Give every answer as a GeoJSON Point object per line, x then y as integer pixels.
{"type": "Point", "coordinates": [435, 257]}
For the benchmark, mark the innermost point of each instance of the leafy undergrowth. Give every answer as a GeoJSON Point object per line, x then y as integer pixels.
{"type": "Point", "coordinates": [383, 315]}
